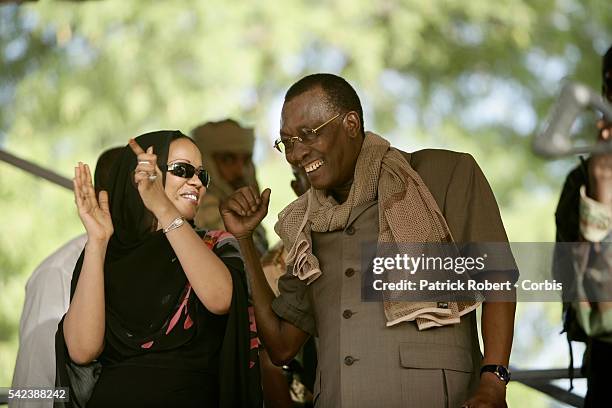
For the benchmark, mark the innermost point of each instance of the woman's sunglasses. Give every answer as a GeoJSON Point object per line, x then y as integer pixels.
{"type": "Point", "coordinates": [186, 170]}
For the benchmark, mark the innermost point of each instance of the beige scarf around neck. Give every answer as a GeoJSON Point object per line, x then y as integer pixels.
{"type": "Point", "coordinates": [407, 213]}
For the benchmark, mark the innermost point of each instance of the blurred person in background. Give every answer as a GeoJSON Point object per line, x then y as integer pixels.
{"type": "Point", "coordinates": [46, 300]}
{"type": "Point", "coordinates": [158, 314]}
{"type": "Point", "coordinates": [584, 216]}
{"type": "Point", "coordinates": [227, 150]}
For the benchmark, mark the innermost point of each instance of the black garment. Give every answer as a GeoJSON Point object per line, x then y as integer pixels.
{"type": "Point", "coordinates": [597, 373]}
{"type": "Point", "coordinates": [153, 317]}
{"type": "Point", "coordinates": [185, 376]}
{"type": "Point", "coordinates": [179, 388]}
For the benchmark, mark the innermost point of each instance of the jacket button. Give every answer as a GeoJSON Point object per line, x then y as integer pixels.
{"type": "Point", "coordinates": [347, 314]}
{"type": "Point", "coordinates": [349, 272]}
{"type": "Point", "coordinates": [349, 360]}
{"type": "Point", "coordinates": [350, 230]}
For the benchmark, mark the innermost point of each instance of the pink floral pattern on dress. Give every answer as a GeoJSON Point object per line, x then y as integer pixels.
{"type": "Point", "coordinates": [147, 345]}
{"type": "Point", "coordinates": [210, 240]}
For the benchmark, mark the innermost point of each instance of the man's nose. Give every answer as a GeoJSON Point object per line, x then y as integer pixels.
{"type": "Point", "coordinates": [297, 154]}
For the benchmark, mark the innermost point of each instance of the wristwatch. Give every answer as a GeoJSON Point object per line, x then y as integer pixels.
{"type": "Point", "coordinates": [499, 370]}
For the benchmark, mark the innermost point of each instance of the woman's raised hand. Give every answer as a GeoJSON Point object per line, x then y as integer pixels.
{"type": "Point", "coordinates": [148, 178]}
{"type": "Point", "coordinates": [94, 213]}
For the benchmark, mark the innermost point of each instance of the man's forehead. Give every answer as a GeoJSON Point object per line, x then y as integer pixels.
{"type": "Point", "coordinates": [308, 106]}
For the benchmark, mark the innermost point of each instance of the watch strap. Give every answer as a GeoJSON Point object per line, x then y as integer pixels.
{"type": "Point", "coordinates": [499, 370]}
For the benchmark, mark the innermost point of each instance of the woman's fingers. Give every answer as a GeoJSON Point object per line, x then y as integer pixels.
{"type": "Point", "coordinates": [103, 200]}
{"type": "Point", "coordinates": [138, 151]}
{"type": "Point", "coordinates": [80, 183]}
{"type": "Point", "coordinates": [140, 176]}
{"type": "Point", "coordinates": [145, 166]}
{"type": "Point", "coordinates": [146, 169]}
{"type": "Point", "coordinates": [135, 147]}
{"type": "Point", "coordinates": [89, 188]}
{"type": "Point", "coordinates": [77, 190]}
{"type": "Point", "coordinates": [87, 175]}
{"type": "Point", "coordinates": [84, 193]}
{"type": "Point", "coordinates": [147, 158]}
{"type": "Point", "coordinates": [143, 157]}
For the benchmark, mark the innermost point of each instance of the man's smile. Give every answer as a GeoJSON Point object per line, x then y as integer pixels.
{"type": "Point", "coordinates": [312, 166]}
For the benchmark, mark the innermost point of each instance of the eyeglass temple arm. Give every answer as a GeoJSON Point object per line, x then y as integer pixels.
{"type": "Point", "coordinates": [320, 126]}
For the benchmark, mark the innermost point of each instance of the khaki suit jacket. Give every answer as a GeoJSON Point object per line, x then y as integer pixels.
{"type": "Point", "coordinates": [362, 362]}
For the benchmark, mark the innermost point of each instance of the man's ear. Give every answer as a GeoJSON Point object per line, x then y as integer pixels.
{"type": "Point", "coordinates": [352, 124]}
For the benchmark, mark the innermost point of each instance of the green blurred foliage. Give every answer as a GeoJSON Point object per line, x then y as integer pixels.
{"type": "Point", "coordinates": [477, 76]}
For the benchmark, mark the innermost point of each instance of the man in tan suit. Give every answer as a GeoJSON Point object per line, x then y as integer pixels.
{"type": "Point", "coordinates": [365, 360]}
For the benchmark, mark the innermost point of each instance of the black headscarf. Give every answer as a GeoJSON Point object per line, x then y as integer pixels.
{"type": "Point", "coordinates": [143, 281]}
{"type": "Point", "coordinates": [144, 285]}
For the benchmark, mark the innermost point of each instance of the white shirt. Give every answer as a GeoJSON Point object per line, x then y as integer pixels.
{"type": "Point", "coordinates": [46, 301]}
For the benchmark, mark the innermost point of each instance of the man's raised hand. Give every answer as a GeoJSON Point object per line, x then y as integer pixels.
{"type": "Point", "coordinates": [243, 211]}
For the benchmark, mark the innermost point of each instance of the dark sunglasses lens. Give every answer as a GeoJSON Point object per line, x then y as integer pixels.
{"type": "Point", "coordinates": [183, 170]}
{"type": "Point", "coordinates": [187, 171]}
{"type": "Point", "coordinates": [204, 178]}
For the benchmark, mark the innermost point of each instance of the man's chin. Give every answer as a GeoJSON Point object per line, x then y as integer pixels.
{"type": "Point", "coordinates": [318, 180]}
{"type": "Point", "coordinates": [318, 184]}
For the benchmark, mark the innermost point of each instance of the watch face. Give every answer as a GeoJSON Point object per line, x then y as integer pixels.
{"type": "Point", "coordinates": [503, 373]}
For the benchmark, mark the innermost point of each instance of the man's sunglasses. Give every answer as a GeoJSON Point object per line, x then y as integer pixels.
{"type": "Point", "coordinates": [186, 170]}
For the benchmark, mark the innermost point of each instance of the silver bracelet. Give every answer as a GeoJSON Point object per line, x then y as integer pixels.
{"type": "Point", "coordinates": [177, 222]}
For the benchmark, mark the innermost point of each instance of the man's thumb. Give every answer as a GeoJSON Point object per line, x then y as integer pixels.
{"type": "Point", "coordinates": [265, 197]}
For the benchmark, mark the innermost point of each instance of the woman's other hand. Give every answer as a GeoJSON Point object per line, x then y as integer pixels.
{"type": "Point", "coordinates": [148, 178]}
{"type": "Point", "coordinates": [94, 213]}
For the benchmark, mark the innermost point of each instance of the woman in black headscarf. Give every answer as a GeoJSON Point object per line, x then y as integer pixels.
{"type": "Point", "coordinates": [158, 313]}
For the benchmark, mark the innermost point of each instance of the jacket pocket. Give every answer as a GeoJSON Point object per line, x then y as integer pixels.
{"type": "Point", "coordinates": [435, 375]}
